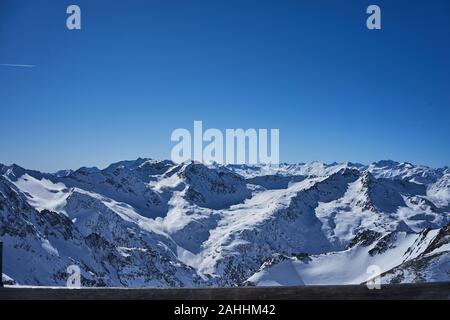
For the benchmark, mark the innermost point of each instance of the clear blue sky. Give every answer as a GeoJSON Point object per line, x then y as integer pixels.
{"type": "Point", "coordinates": [139, 69]}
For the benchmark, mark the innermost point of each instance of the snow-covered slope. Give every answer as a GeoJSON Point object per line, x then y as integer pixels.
{"type": "Point", "coordinates": [400, 256]}
{"type": "Point", "coordinates": [146, 222]}
{"type": "Point", "coordinates": [111, 243]}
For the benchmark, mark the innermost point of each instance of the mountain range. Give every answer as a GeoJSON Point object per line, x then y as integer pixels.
{"type": "Point", "coordinates": [151, 223]}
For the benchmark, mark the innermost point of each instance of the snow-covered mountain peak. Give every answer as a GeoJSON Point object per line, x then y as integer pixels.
{"type": "Point", "coordinates": [129, 164]}
{"type": "Point", "coordinates": [213, 188]}
{"type": "Point", "coordinates": [405, 171]}
{"type": "Point", "coordinates": [62, 173]}
{"type": "Point", "coordinates": [85, 171]}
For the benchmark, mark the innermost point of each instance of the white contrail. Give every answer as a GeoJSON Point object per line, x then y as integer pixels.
{"type": "Point", "coordinates": [17, 65]}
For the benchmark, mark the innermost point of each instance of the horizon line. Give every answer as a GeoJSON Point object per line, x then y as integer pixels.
{"type": "Point", "coordinates": [231, 164]}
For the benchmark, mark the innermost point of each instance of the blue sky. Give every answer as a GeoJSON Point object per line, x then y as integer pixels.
{"type": "Point", "coordinates": [139, 69]}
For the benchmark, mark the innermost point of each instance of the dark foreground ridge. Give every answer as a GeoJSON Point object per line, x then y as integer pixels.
{"type": "Point", "coordinates": [435, 291]}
